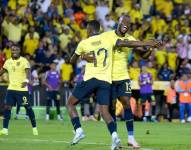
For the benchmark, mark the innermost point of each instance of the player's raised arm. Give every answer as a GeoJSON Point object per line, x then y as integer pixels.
{"type": "Point", "coordinates": [135, 44]}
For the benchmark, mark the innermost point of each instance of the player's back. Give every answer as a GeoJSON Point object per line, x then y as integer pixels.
{"type": "Point", "coordinates": [99, 47]}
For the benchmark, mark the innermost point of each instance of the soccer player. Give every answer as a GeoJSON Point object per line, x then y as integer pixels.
{"type": "Point", "coordinates": [52, 82]}
{"type": "Point", "coordinates": [121, 85]}
{"type": "Point", "coordinates": [18, 69]}
{"type": "Point", "coordinates": [97, 77]}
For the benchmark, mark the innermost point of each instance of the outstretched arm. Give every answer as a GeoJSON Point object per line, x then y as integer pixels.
{"type": "Point", "coordinates": [135, 44]}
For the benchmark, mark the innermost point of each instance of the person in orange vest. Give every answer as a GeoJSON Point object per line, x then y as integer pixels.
{"type": "Point", "coordinates": [171, 99]}
{"type": "Point", "coordinates": [183, 87]}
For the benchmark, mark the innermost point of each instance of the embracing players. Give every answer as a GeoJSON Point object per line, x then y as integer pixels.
{"type": "Point", "coordinates": [97, 78]}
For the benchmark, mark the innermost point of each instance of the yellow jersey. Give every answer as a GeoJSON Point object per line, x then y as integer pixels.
{"type": "Point", "coordinates": [66, 70]}
{"type": "Point", "coordinates": [16, 73]}
{"type": "Point", "coordinates": [134, 73]}
{"type": "Point", "coordinates": [120, 57]}
{"type": "Point", "coordinates": [101, 48]}
{"type": "Point", "coordinates": [161, 57]}
{"type": "Point", "coordinates": [153, 72]}
{"type": "Point", "coordinates": [171, 58]}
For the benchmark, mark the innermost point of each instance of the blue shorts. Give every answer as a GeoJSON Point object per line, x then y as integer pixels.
{"type": "Point", "coordinates": [52, 95]}
{"type": "Point", "coordinates": [85, 89]}
{"type": "Point", "coordinates": [121, 88]}
{"type": "Point", "coordinates": [147, 97]}
{"type": "Point", "coordinates": [20, 98]}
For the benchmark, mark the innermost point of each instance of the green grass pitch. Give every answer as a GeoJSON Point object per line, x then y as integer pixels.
{"type": "Point", "coordinates": [55, 135]}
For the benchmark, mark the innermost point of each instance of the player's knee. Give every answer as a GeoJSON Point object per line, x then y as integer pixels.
{"type": "Point", "coordinates": [72, 101]}
{"type": "Point", "coordinates": [126, 103]}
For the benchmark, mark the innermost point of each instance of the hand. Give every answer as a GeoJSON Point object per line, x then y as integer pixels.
{"type": "Point", "coordinates": [155, 43]}
{"type": "Point", "coordinates": [88, 57]}
{"type": "Point", "coordinates": [24, 84]}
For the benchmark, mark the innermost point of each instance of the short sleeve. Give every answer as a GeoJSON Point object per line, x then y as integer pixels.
{"type": "Point", "coordinates": [79, 49]}
{"type": "Point", "coordinates": [5, 65]}
{"type": "Point", "coordinates": [26, 64]}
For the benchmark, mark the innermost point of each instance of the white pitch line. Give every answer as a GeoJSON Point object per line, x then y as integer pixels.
{"type": "Point", "coordinates": [66, 142]}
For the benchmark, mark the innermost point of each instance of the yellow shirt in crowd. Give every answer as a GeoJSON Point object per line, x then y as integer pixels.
{"type": "Point", "coordinates": [160, 57]}
{"type": "Point", "coordinates": [14, 32]}
{"type": "Point", "coordinates": [171, 58]}
{"type": "Point", "coordinates": [134, 73]}
{"type": "Point", "coordinates": [153, 72]}
{"type": "Point", "coordinates": [66, 71]}
{"type": "Point", "coordinates": [31, 45]}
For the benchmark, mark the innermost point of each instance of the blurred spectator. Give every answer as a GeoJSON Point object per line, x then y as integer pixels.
{"type": "Point", "coordinates": [101, 10]}
{"type": "Point", "coordinates": [35, 83]}
{"type": "Point", "coordinates": [89, 9]}
{"type": "Point", "coordinates": [146, 7]}
{"type": "Point", "coordinates": [30, 44]}
{"type": "Point", "coordinates": [136, 14]}
{"type": "Point", "coordinates": [161, 56]}
{"type": "Point", "coordinates": [65, 38]}
{"type": "Point", "coordinates": [172, 59]}
{"type": "Point", "coordinates": [183, 87]}
{"type": "Point", "coordinates": [182, 50]}
{"type": "Point", "coordinates": [66, 70]}
{"type": "Point", "coordinates": [146, 93]}
{"type": "Point", "coordinates": [184, 69]}
{"type": "Point", "coordinates": [14, 29]}
{"type": "Point", "coordinates": [165, 73]}
{"type": "Point", "coordinates": [171, 99]}
{"type": "Point", "coordinates": [134, 71]}
{"type": "Point", "coordinates": [108, 23]}
{"type": "Point", "coordinates": [52, 82]}
{"type": "Point", "coordinates": [2, 58]}
{"type": "Point", "coordinates": [152, 70]}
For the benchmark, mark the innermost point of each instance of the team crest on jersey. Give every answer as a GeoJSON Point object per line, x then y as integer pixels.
{"type": "Point", "coordinates": [18, 63]}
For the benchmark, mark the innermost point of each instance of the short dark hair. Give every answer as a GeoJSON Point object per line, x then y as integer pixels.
{"type": "Point", "coordinates": [95, 25]}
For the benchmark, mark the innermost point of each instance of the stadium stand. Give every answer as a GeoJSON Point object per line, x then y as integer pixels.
{"type": "Point", "coordinates": [49, 31]}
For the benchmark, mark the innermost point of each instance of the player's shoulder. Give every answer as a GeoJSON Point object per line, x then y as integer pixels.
{"type": "Point", "coordinates": [23, 59]}
{"type": "Point", "coordinates": [8, 60]}
{"type": "Point", "coordinates": [108, 33]}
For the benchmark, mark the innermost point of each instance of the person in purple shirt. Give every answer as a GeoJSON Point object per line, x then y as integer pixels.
{"type": "Point", "coordinates": [146, 93]}
{"type": "Point", "coordinates": [52, 81]}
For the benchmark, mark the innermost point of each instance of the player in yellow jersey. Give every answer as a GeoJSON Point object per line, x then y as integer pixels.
{"type": "Point", "coordinates": [97, 78]}
{"type": "Point", "coordinates": [121, 85]}
{"type": "Point", "coordinates": [18, 69]}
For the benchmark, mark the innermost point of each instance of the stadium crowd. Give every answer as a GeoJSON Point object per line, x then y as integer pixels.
{"type": "Point", "coordinates": [49, 30]}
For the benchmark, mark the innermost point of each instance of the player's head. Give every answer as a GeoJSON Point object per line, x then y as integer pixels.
{"type": "Point", "coordinates": [93, 27]}
{"type": "Point", "coordinates": [124, 24]}
{"type": "Point", "coordinates": [53, 66]}
{"type": "Point", "coordinates": [144, 69]}
{"type": "Point", "coordinates": [15, 51]}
